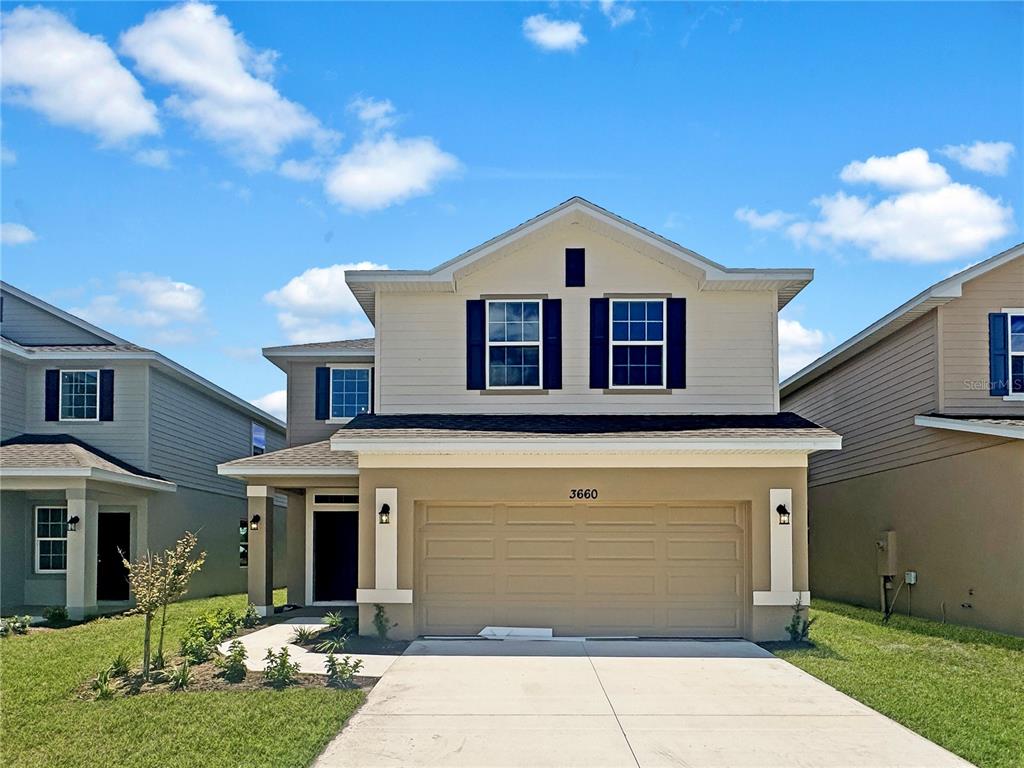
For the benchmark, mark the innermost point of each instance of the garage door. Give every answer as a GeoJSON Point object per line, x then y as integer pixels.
{"type": "Point", "coordinates": [676, 569]}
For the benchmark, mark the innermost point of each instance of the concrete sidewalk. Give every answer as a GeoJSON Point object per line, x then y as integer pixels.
{"type": "Point", "coordinates": [615, 703]}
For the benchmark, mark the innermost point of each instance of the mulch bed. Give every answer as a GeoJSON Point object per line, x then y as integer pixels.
{"type": "Point", "coordinates": [364, 645]}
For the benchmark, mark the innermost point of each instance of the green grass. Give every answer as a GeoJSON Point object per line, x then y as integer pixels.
{"type": "Point", "coordinates": [44, 723]}
{"type": "Point", "coordinates": [960, 687]}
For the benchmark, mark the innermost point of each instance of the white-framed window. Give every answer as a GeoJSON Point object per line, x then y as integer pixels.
{"type": "Point", "coordinates": [1015, 318]}
{"type": "Point", "coordinates": [51, 535]}
{"type": "Point", "coordinates": [243, 543]}
{"type": "Point", "coordinates": [350, 392]}
{"type": "Point", "coordinates": [637, 340]}
{"type": "Point", "coordinates": [513, 344]}
{"type": "Point", "coordinates": [259, 439]}
{"type": "Point", "coordinates": [80, 395]}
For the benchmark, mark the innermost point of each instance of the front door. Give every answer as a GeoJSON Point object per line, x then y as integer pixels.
{"type": "Point", "coordinates": [335, 556]}
{"type": "Point", "coordinates": [114, 538]}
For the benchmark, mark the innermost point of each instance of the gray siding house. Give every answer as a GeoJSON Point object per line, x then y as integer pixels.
{"type": "Point", "coordinates": [109, 447]}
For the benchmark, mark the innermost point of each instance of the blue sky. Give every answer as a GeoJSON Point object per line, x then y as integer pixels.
{"type": "Point", "coordinates": [191, 177]}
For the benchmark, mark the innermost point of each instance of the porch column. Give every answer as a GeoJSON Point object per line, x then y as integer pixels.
{"type": "Point", "coordinates": [781, 535]}
{"type": "Point", "coordinates": [261, 548]}
{"type": "Point", "coordinates": [82, 553]}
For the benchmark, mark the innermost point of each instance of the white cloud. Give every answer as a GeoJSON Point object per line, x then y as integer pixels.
{"type": "Point", "coordinates": [220, 83]}
{"type": "Point", "coordinates": [301, 170]}
{"type": "Point", "coordinates": [168, 309]}
{"type": "Point", "coordinates": [907, 170]}
{"type": "Point", "coordinates": [275, 403]}
{"type": "Point", "coordinates": [8, 156]}
{"type": "Point", "coordinates": [154, 158]}
{"type": "Point", "coordinates": [617, 12]}
{"type": "Point", "coordinates": [72, 78]}
{"type": "Point", "coordinates": [932, 225]}
{"type": "Point", "coordinates": [769, 220]}
{"type": "Point", "coordinates": [379, 172]}
{"type": "Point", "coordinates": [553, 35]}
{"type": "Point", "coordinates": [318, 305]}
{"type": "Point", "coordinates": [988, 157]}
{"type": "Point", "coordinates": [15, 234]}
{"type": "Point", "coordinates": [798, 346]}
{"type": "Point", "coordinates": [375, 114]}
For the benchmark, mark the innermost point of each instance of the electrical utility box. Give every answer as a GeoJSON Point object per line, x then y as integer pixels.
{"type": "Point", "coordinates": [886, 552]}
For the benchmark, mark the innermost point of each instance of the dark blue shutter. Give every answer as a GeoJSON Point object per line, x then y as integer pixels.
{"type": "Point", "coordinates": [52, 395]}
{"type": "Point", "coordinates": [599, 343]}
{"type": "Point", "coordinates": [323, 394]}
{"type": "Point", "coordinates": [106, 395]}
{"type": "Point", "coordinates": [552, 309]}
{"type": "Point", "coordinates": [998, 354]}
{"type": "Point", "coordinates": [675, 338]}
{"type": "Point", "coordinates": [476, 352]}
{"type": "Point", "coordinates": [575, 267]}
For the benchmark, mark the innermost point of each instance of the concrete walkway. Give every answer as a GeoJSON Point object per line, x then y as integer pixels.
{"type": "Point", "coordinates": [615, 703]}
{"type": "Point", "coordinates": [278, 636]}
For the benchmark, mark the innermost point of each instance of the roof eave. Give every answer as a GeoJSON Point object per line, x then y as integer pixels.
{"type": "Point", "coordinates": [87, 473]}
{"type": "Point", "coordinates": [564, 445]}
{"type": "Point", "coordinates": [974, 427]}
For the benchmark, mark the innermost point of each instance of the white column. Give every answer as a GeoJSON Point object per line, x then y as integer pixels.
{"type": "Point", "coordinates": [261, 549]}
{"type": "Point", "coordinates": [385, 537]}
{"type": "Point", "coordinates": [781, 541]}
{"type": "Point", "coordinates": [82, 553]}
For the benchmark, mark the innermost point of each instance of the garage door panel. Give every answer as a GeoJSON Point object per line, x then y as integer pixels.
{"type": "Point", "coordinates": [614, 569]}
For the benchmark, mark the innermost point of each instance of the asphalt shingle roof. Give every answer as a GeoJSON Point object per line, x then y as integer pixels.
{"type": "Point", "coordinates": [62, 452]}
{"type": "Point", "coordinates": [310, 455]}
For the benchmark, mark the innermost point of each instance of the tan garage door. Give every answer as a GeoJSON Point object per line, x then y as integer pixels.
{"type": "Point", "coordinates": [676, 569]}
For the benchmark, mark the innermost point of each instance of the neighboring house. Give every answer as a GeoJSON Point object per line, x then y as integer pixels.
{"type": "Point", "coordinates": [573, 426]}
{"type": "Point", "coordinates": [930, 403]}
{"type": "Point", "coordinates": [108, 447]}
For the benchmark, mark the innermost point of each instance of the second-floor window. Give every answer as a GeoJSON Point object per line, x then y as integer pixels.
{"type": "Point", "coordinates": [259, 439]}
{"type": "Point", "coordinates": [1016, 354]}
{"type": "Point", "coordinates": [350, 392]}
{"type": "Point", "coordinates": [638, 343]}
{"type": "Point", "coordinates": [513, 344]}
{"type": "Point", "coordinates": [79, 395]}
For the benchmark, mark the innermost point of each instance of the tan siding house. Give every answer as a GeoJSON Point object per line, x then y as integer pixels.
{"type": "Point", "coordinates": [572, 427]}
{"type": "Point", "coordinates": [933, 451]}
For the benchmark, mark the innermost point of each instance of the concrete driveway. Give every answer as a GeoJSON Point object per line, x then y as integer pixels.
{"type": "Point", "coordinates": [615, 703]}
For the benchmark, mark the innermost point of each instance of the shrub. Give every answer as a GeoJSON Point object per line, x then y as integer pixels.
{"type": "Point", "coordinates": [55, 614]}
{"type": "Point", "coordinates": [181, 677]}
{"type": "Point", "coordinates": [206, 631]}
{"type": "Point", "coordinates": [120, 666]}
{"type": "Point", "coordinates": [381, 623]}
{"type": "Point", "coordinates": [799, 628]}
{"type": "Point", "coordinates": [340, 674]}
{"type": "Point", "coordinates": [196, 648]}
{"type": "Point", "coordinates": [280, 670]}
{"type": "Point", "coordinates": [102, 687]}
{"type": "Point", "coordinates": [333, 619]}
{"type": "Point", "coordinates": [250, 618]}
{"type": "Point", "coordinates": [158, 661]}
{"type": "Point", "coordinates": [332, 644]}
{"type": "Point", "coordinates": [14, 625]}
{"type": "Point", "coordinates": [232, 664]}
{"type": "Point", "coordinates": [304, 635]}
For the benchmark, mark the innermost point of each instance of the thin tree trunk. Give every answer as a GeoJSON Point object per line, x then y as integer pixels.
{"type": "Point", "coordinates": [163, 623]}
{"type": "Point", "coordinates": [145, 647]}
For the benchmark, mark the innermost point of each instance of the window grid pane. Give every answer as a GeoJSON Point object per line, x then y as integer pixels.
{"type": "Point", "coordinates": [637, 366]}
{"type": "Point", "coordinates": [350, 392]}
{"type": "Point", "coordinates": [513, 343]}
{"type": "Point", "coordinates": [51, 538]}
{"type": "Point", "coordinates": [79, 394]}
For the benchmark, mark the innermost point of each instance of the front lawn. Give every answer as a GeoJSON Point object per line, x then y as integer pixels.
{"type": "Point", "coordinates": [962, 688]}
{"type": "Point", "coordinates": [45, 723]}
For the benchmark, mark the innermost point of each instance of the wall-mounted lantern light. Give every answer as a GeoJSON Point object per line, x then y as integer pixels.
{"type": "Point", "coordinates": [784, 514]}
{"type": "Point", "coordinates": [384, 516]}
{"type": "Point", "coordinates": [73, 523]}
{"type": "Point", "coordinates": [254, 524]}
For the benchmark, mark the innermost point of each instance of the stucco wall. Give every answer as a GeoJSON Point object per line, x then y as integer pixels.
{"type": "Point", "coordinates": [959, 523]}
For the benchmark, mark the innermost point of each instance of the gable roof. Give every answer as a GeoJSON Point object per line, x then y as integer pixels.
{"type": "Point", "coordinates": [931, 297]}
{"type": "Point", "coordinates": [67, 317]}
{"type": "Point", "coordinates": [356, 350]}
{"type": "Point", "coordinates": [443, 278]}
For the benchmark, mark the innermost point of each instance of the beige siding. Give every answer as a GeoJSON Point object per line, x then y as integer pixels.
{"type": "Point", "coordinates": [303, 427]}
{"type": "Point", "coordinates": [871, 401]}
{"type": "Point", "coordinates": [422, 336]}
{"type": "Point", "coordinates": [965, 340]}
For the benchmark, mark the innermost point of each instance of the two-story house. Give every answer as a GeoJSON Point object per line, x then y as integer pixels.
{"type": "Point", "coordinates": [573, 426]}
{"type": "Point", "coordinates": [111, 448]}
{"type": "Point", "coordinates": [930, 402]}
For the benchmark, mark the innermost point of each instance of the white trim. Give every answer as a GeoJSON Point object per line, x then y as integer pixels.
{"type": "Point", "coordinates": [563, 445]}
{"type": "Point", "coordinates": [385, 540]}
{"type": "Point", "coordinates": [36, 539]}
{"type": "Point", "coordinates": [332, 367]}
{"type": "Point", "coordinates": [612, 343]}
{"type": "Point", "coordinates": [1011, 313]}
{"type": "Point", "coordinates": [781, 540]}
{"type": "Point", "coordinates": [788, 599]}
{"type": "Point", "coordinates": [90, 473]}
{"type": "Point", "coordinates": [60, 393]}
{"type": "Point", "coordinates": [539, 344]}
{"type": "Point", "coordinates": [228, 470]}
{"type": "Point", "coordinates": [966, 425]}
{"type": "Point", "coordinates": [384, 596]}
{"type": "Point", "coordinates": [584, 461]}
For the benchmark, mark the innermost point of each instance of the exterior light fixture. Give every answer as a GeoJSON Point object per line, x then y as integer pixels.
{"type": "Point", "coordinates": [254, 524]}
{"type": "Point", "coordinates": [73, 523]}
{"type": "Point", "coordinates": [784, 514]}
{"type": "Point", "coordinates": [384, 516]}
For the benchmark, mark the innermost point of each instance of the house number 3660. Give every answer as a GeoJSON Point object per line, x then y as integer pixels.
{"type": "Point", "coordinates": [583, 493]}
